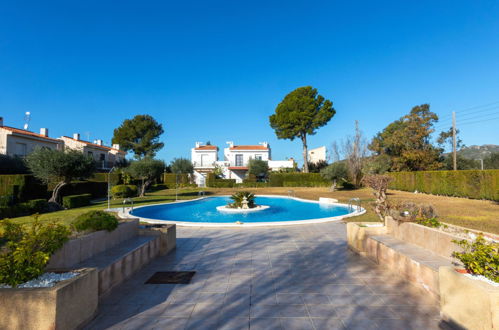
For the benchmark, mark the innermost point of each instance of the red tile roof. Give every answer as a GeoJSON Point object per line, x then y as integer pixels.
{"type": "Point", "coordinates": [28, 133]}
{"type": "Point", "coordinates": [206, 148]}
{"type": "Point", "coordinates": [258, 147]}
{"type": "Point", "coordinates": [95, 145]}
{"type": "Point", "coordinates": [238, 168]}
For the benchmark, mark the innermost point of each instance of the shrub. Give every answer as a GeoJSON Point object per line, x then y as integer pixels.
{"type": "Point", "coordinates": [431, 222]}
{"type": "Point", "coordinates": [479, 257]}
{"type": "Point", "coordinates": [22, 187]}
{"type": "Point", "coordinates": [28, 250]}
{"type": "Point", "coordinates": [158, 186]}
{"type": "Point", "coordinates": [297, 180]}
{"type": "Point", "coordinates": [124, 191]}
{"type": "Point", "coordinates": [70, 202]}
{"type": "Point", "coordinates": [239, 197]}
{"type": "Point", "coordinates": [470, 183]}
{"type": "Point", "coordinates": [171, 179]}
{"type": "Point", "coordinates": [37, 205]}
{"type": "Point", "coordinates": [95, 220]}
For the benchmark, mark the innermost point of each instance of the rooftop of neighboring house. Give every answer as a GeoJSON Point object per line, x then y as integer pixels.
{"type": "Point", "coordinates": [94, 145]}
{"type": "Point", "coordinates": [43, 132]}
{"type": "Point", "coordinates": [260, 146]}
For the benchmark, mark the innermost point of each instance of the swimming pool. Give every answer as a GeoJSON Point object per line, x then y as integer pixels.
{"type": "Point", "coordinates": [282, 210]}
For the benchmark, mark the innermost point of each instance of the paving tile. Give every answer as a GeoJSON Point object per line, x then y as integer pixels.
{"type": "Point", "coordinates": [326, 311]}
{"type": "Point", "coordinates": [326, 323]}
{"type": "Point", "coordinates": [178, 310]}
{"type": "Point", "coordinates": [170, 323]}
{"type": "Point", "coordinates": [293, 311]}
{"type": "Point", "coordinates": [315, 299]}
{"type": "Point", "coordinates": [298, 323]}
{"type": "Point", "coordinates": [262, 323]}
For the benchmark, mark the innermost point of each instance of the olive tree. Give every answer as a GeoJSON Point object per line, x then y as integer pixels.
{"type": "Point", "coordinates": [335, 172]}
{"type": "Point", "coordinates": [146, 170]}
{"type": "Point", "coordinates": [59, 168]}
{"type": "Point", "coordinates": [259, 168]}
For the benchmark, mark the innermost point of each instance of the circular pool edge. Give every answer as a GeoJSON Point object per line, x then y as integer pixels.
{"type": "Point", "coordinates": [126, 215]}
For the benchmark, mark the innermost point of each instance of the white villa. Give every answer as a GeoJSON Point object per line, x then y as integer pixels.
{"type": "Point", "coordinates": [235, 162]}
{"type": "Point", "coordinates": [318, 154]}
{"type": "Point", "coordinates": [21, 142]}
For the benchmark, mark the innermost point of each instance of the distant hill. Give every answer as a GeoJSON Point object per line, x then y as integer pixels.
{"type": "Point", "coordinates": [478, 152]}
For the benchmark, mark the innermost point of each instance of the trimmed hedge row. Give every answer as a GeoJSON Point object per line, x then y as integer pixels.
{"type": "Point", "coordinates": [170, 179]}
{"type": "Point", "coordinates": [70, 202]}
{"type": "Point", "coordinates": [21, 209]}
{"type": "Point", "coordinates": [96, 189]}
{"type": "Point", "coordinates": [124, 191]}
{"type": "Point", "coordinates": [103, 177]}
{"type": "Point", "coordinates": [21, 187]}
{"type": "Point", "coordinates": [297, 180]}
{"type": "Point", "coordinates": [213, 182]}
{"type": "Point", "coordinates": [475, 184]}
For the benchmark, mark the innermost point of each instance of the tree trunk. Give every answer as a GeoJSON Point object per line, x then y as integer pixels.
{"type": "Point", "coordinates": [333, 186]}
{"type": "Point", "coordinates": [56, 193]}
{"type": "Point", "coordinates": [305, 153]}
{"type": "Point", "coordinates": [143, 187]}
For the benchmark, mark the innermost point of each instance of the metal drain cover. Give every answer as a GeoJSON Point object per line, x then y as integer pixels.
{"type": "Point", "coordinates": [171, 278]}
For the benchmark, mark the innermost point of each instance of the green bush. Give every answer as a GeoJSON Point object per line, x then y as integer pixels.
{"type": "Point", "coordinates": [475, 184]}
{"type": "Point", "coordinates": [171, 179]}
{"type": "Point", "coordinates": [96, 189]}
{"type": "Point", "coordinates": [22, 209]}
{"type": "Point", "coordinates": [28, 249]}
{"type": "Point", "coordinates": [479, 257]}
{"type": "Point", "coordinates": [37, 205]}
{"type": "Point", "coordinates": [95, 220]}
{"type": "Point", "coordinates": [297, 180]}
{"type": "Point", "coordinates": [158, 186]}
{"type": "Point", "coordinates": [72, 201]}
{"type": "Point", "coordinates": [115, 178]}
{"type": "Point", "coordinates": [124, 191]}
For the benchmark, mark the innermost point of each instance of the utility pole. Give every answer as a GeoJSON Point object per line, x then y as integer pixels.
{"type": "Point", "coordinates": [454, 152]}
{"type": "Point", "coordinates": [481, 163]}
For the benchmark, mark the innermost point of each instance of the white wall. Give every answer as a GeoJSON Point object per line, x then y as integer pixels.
{"type": "Point", "coordinates": [317, 154]}
{"type": "Point", "coordinates": [230, 155]}
{"type": "Point", "coordinates": [203, 158]}
{"type": "Point", "coordinates": [12, 144]}
{"type": "Point", "coordinates": [275, 165]}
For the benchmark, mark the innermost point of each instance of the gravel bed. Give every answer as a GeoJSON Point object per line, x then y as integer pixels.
{"type": "Point", "coordinates": [46, 280]}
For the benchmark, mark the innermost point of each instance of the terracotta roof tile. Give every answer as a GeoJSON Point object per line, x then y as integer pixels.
{"type": "Point", "coordinates": [206, 148]}
{"type": "Point", "coordinates": [257, 147]}
{"type": "Point", "coordinates": [28, 133]}
{"type": "Point", "coordinates": [95, 145]}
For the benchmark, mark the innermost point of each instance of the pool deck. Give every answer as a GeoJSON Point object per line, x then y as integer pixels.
{"type": "Point", "coordinates": [293, 277]}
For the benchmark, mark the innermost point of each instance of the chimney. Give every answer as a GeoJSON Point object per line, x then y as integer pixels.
{"type": "Point", "coordinates": [230, 143]}
{"type": "Point", "coordinates": [116, 146]}
{"type": "Point", "coordinates": [198, 144]}
{"type": "Point", "coordinates": [265, 144]}
{"type": "Point", "coordinates": [44, 132]}
{"type": "Point", "coordinates": [1, 121]}
{"type": "Point", "coordinates": [99, 142]}
{"type": "Point", "coordinates": [76, 136]}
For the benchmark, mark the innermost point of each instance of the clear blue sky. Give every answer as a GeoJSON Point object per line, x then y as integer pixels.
{"type": "Point", "coordinates": [215, 70]}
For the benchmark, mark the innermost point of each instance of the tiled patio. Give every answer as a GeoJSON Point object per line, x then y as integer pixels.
{"type": "Point", "coordinates": [296, 277]}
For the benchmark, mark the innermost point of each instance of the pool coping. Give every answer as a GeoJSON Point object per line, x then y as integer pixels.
{"type": "Point", "coordinates": [126, 214]}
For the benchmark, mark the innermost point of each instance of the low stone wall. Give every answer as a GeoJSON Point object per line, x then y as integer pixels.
{"type": "Point", "coordinates": [167, 234]}
{"type": "Point", "coordinates": [432, 239]}
{"type": "Point", "coordinates": [358, 233]}
{"type": "Point", "coordinates": [466, 302]}
{"type": "Point", "coordinates": [84, 247]}
{"type": "Point", "coordinates": [67, 305]}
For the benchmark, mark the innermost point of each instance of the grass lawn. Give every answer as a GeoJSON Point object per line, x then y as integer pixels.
{"type": "Point", "coordinates": [475, 214]}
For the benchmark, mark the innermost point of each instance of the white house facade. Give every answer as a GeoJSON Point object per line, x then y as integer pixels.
{"type": "Point", "coordinates": [318, 154]}
{"type": "Point", "coordinates": [235, 162]}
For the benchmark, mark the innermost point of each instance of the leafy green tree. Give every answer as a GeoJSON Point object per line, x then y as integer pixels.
{"type": "Point", "coordinates": [407, 141]}
{"type": "Point", "coordinates": [59, 168]}
{"type": "Point", "coordinates": [147, 170]}
{"type": "Point", "coordinates": [445, 139]}
{"type": "Point", "coordinates": [336, 172]}
{"type": "Point", "coordinates": [299, 114]}
{"type": "Point", "coordinates": [377, 164]}
{"type": "Point", "coordinates": [259, 168]}
{"type": "Point", "coordinates": [140, 135]}
{"type": "Point", "coordinates": [491, 162]}
{"type": "Point", "coordinates": [182, 165]}
{"type": "Point", "coordinates": [316, 167]}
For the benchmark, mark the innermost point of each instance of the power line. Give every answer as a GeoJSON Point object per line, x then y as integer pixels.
{"type": "Point", "coordinates": [478, 121]}
{"type": "Point", "coordinates": [466, 110]}
{"type": "Point", "coordinates": [466, 115]}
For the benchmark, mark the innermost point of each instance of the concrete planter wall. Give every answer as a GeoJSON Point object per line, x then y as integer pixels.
{"type": "Point", "coordinates": [432, 239]}
{"type": "Point", "coordinates": [357, 235]}
{"type": "Point", "coordinates": [67, 305]}
{"type": "Point", "coordinates": [81, 248]}
{"type": "Point", "coordinates": [167, 234]}
{"type": "Point", "coordinates": [468, 303]}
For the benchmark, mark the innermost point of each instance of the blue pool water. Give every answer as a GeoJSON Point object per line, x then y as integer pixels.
{"type": "Point", "coordinates": [204, 210]}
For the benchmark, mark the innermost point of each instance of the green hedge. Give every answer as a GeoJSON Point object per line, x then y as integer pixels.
{"type": "Point", "coordinates": [170, 179]}
{"type": "Point", "coordinates": [21, 187]}
{"type": "Point", "coordinates": [475, 184]}
{"type": "Point", "coordinates": [297, 180]}
{"type": "Point", "coordinates": [213, 182]}
{"type": "Point", "coordinates": [22, 209]}
{"type": "Point", "coordinates": [96, 189]}
{"type": "Point", "coordinates": [103, 177]}
{"type": "Point", "coordinates": [124, 191]}
{"type": "Point", "coordinates": [70, 202]}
